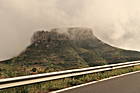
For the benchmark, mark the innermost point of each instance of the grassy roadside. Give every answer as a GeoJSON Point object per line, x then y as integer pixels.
{"type": "Point", "coordinates": [46, 87]}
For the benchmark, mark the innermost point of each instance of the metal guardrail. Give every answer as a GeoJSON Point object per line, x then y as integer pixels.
{"type": "Point", "coordinates": [31, 79]}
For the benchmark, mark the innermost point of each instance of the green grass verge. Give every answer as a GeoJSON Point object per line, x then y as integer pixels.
{"type": "Point", "coordinates": [46, 87]}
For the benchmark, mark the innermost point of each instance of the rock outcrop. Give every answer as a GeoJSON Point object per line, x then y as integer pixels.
{"type": "Point", "coordinates": [63, 34]}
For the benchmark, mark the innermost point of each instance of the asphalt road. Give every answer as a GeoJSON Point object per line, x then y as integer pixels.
{"type": "Point", "coordinates": [125, 84]}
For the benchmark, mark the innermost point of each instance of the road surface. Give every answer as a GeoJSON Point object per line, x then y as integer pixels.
{"type": "Point", "coordinates": [125, 84]}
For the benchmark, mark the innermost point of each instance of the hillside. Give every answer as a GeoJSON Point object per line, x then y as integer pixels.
{"type": "Point", "coordinates": [70, 48]}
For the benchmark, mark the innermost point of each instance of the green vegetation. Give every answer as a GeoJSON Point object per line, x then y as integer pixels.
{"type": "Point", "coordinates": [58, 52]}
{"type": "Point", "coordinates": [68, 82]}
{"type": "Point", "coordinates": [8, 71]}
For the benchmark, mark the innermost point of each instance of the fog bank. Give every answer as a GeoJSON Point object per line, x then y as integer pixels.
{"type": "Point", "coordinates": [116, 22]}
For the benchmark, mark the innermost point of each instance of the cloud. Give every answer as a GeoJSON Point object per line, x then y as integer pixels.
{"type": "Point", "coordinates": [116, 22]}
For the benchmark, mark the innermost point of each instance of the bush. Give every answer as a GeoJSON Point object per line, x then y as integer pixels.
{"type": "Point", "coordinates": [34, 70]}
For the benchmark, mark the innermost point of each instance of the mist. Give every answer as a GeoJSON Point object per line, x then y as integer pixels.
{"type": "Point", "coordinates": [116, 22]}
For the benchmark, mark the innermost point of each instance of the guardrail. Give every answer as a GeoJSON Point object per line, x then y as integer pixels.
{"type": "Point", "coordinates": [31, 79]}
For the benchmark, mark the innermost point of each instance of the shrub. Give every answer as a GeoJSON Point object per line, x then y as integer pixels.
{"type": "Point", "coordinates": [34, 70]}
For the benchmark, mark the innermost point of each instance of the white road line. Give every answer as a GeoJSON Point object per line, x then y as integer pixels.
{"type": "Point", "coordinates": [70, 88]}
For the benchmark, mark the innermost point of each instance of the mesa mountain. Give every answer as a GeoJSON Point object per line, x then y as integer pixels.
{"type": "Point", "coordinates": [71, 48]}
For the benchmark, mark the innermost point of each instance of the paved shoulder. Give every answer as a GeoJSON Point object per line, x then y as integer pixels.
{"type": "Point", "coordinates": [125, 84]}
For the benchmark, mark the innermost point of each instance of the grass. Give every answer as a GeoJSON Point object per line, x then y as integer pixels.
{"type": "Point", "coordinates": [46, 87]}
{"type": "Point", "coordinates": [13, 70]}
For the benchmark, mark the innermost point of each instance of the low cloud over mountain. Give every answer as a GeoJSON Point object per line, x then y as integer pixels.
{"type": "Point", "coordinates": [114, 21]}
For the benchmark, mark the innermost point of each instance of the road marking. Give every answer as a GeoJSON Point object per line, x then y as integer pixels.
{"type": "Point", "coordinates": [70, 88]}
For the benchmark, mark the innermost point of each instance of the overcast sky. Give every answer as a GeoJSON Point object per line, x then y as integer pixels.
{"type": "Point", "coordinates": [116, 22]}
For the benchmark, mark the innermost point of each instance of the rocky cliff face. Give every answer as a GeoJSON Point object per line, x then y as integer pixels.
{"type": "Point", "coordinates": [63, 34]}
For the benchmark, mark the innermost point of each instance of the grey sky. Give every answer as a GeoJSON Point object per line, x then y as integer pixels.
{"type": "Point", "coordinates": [116, 22]}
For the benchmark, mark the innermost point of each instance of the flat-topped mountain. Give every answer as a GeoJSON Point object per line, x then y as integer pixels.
{"type": "Point", "coordinates": [71, 48]}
